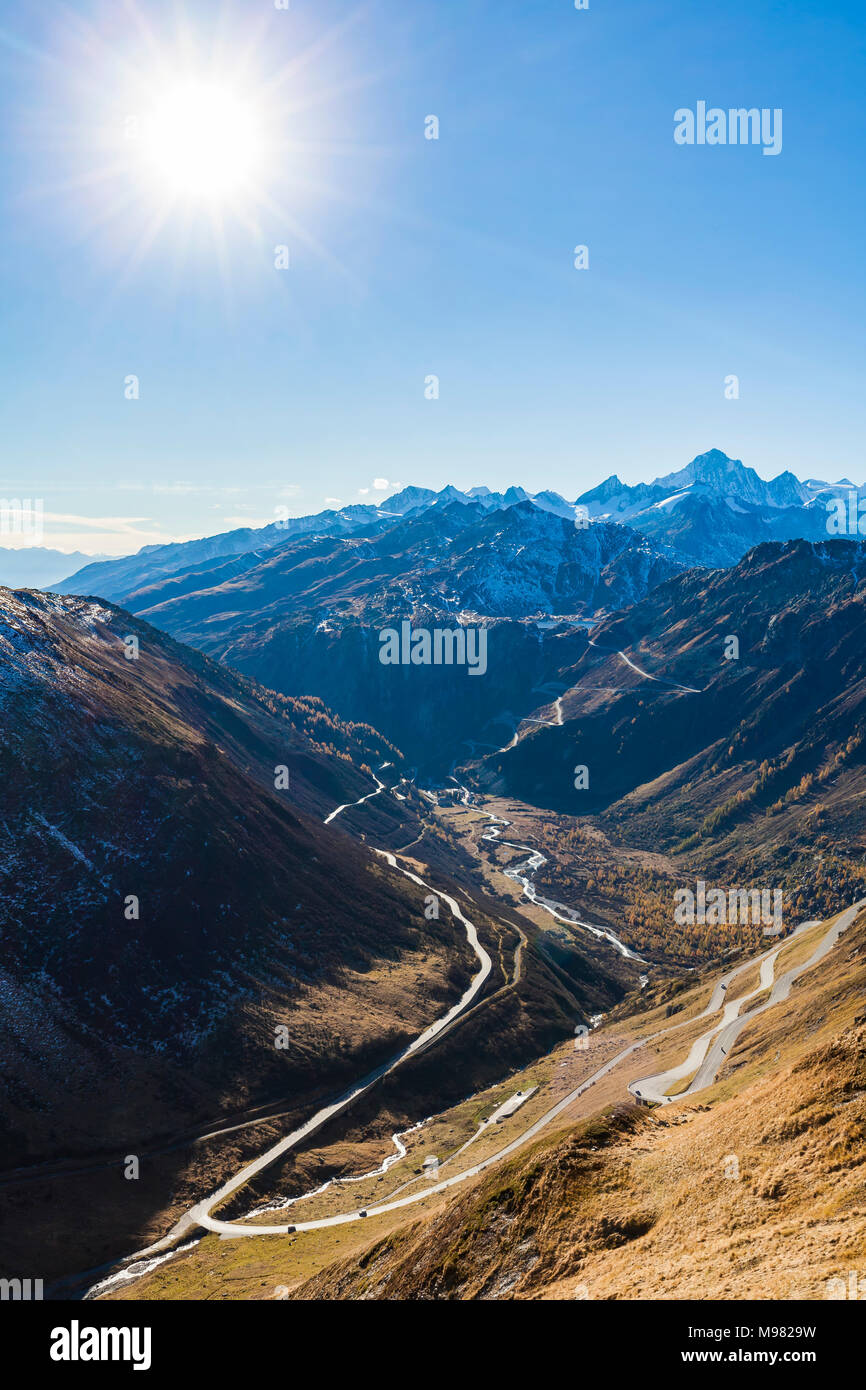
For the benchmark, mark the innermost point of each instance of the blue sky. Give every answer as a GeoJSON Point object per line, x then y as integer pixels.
{"type": "Point", "coordinates": [262, 387]}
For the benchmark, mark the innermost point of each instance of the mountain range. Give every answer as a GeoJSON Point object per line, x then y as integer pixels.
{"type": "Point", "coordinates": [305, 616]}
{"type": "Point", "coordinates": [300, 605]}
{"type": "Point", "coordinates": [710, 512]}
{"type": "Point", "coordinates": [37, 567]}
{"type": "Point", "coordinates": [715, 509]}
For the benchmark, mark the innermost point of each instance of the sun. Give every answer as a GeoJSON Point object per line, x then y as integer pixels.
{"type": "Point", "coordinates": [208, 147]}
{"type": "Point", "coordinates": [202, 140]}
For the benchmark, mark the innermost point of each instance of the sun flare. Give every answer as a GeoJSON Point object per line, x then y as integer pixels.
{"type": "Point", "coordinates": [207, 147]}
{"type": "Point", "coordinates": [202, 140]}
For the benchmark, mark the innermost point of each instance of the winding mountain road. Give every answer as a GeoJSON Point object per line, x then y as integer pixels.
{"type": "Point", "coordinates": [780, 991]}
{"type": "Point", "coordinates": [710, 1049]}
{"type": "Point", "coordinates": [705, 1054]}
{"type": "Point", "coordinates": [381, 786]}
{"type": "Point", "coordinates": [647, 675]}
{"type": "Point", "coordinates": [199, 1215]}
{"type": "Point", "coordinates": [557, 703]}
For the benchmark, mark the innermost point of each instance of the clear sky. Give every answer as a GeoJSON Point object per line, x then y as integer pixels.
{"type": "Point", "coordinates": [261, 387]}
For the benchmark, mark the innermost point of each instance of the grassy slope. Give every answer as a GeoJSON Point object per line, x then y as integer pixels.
{"type": "Point", "coordinates": [156, 777]}
{"type": "Point", "coordinates": [626, 1203]}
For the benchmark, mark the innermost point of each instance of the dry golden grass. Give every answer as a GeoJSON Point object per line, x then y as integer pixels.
{"type": "Point", "coordinates": [743, 984]}
{"type": "Point", "coordinates": [796, 952]}
{"type": "Point", "coordinates": [760, 1197]}
{"type": "Point", "coordinates": [754, 1189]}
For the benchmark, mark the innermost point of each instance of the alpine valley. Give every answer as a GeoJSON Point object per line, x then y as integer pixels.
{"type": "Point", "coordinates": [327, 976]}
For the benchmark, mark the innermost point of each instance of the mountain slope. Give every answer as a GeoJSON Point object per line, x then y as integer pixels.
{"type": "Point", "coordinates": [162, 903]}
{"type": "Point", "coordinates": [115, 579]}
{"type": "Point", "coordinates": [627, 1208]}
{"type": "Point", "coordinates": [188, 953]}
{"type": "Point", "coordinates": [741, 761]}
{"type": "Point", "coordinates": [165, 909]}
{"type": "Point", "coordinates": [306, 617]}
{"type": "Point", "coordinates": [751, 1188]}
{"type": "Point", "coordinates": [715, 509]}
{"type": "Point", "coordinates": [118, 579]}
{"type": "Point", "coordinates": [510, 563]}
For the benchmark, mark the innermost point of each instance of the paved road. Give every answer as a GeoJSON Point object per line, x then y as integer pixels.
{"type": "Point", "coordinates": [349, 804]}
{"type": "Point", "coordinates": [727, 1029]}
{"type": "Point", "coordinates": [710, 1049]}
{"type": "Point", "coordinates": [199, 1215]}
{"type": "Point", "coordinates": [532, 719]}
{"type": "Point", "coordinates": [781, 990]}
{"type": "Point", "coordinates": [648, 675]}
{"type": "Point", "coordinates": [557, 704]}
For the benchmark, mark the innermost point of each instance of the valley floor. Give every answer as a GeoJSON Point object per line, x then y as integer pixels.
{"type": "Point", "coordinates": [752, 1188]}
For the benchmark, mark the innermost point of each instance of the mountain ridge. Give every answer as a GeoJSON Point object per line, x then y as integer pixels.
{"type": "Point", "coordinates": [777, 639]}
{"type": "Point", "coordinates": [712, 473]}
